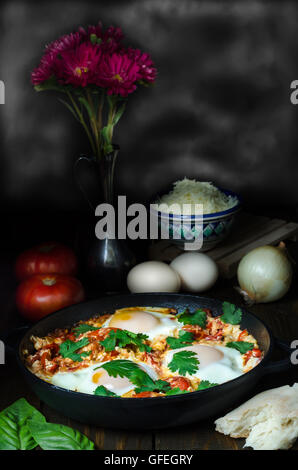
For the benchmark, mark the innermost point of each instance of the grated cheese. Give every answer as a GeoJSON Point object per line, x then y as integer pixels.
{"type": "Point", "coordinates": [193, 192]}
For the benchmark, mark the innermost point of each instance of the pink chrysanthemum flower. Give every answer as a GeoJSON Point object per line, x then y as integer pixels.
{"type": "Point", "coordinates": [118, 73]}
{"type": "Point", "coordinates": [78, 67]}
{"type": "Point", "coordinates": [109, 40]}
{"type": "Point", "coordinates": [147, 70]}
{"type": "Point", "coordinates": [64, 43]}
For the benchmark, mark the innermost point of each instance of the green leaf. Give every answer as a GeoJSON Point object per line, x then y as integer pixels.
{"type": "Point", "coordinates": [176, 391]}
{"type": "Point", "coordinates": [104, 392]}
{"type": "Point", "coordinates": [52, 84]}
{"type": "Point", "coordinates": [109, 343]}
{"type": "Point", "coordinates": [129, 369]}
{"type": "Point", "coordinates": [157, 386]}
{"type": "Point", "coordinates": [51, 436]}
{"type": "Point", "coordinates": [206, 384]}
{"type": "Point", "coordinates": [83, 328]}
{"type": "Point", "coordinates": [185, 339]}
{"type": "Point", "coordinates": [123, 338]}
{"type": "Point", "coordinates": [231, 314]}
{"type": "Point", "coordinates": [184, 362]}
{"type": "Point", "coordinates": [69, 348]}
{"type": "Point", "coordinates": [241, 346]}
{"type": "Point", "coordinates": [14, 430]}
{"type": "Point", "coordinates": [105, 135]}
{"type": "Point", "coordinates": [119, 113]}
{"type": "Point", "coordinates": [93, 38]}
{"type": "Point", "coordinates": [199, 317]}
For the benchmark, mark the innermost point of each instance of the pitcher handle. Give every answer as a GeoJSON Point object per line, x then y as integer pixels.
{"type": "Point", "coordinates": [90, 160]}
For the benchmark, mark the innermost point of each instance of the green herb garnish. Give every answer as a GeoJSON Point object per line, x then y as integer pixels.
{"type": "Point", "coordinates": [69, 348]}
{"type": "Point", "coordinates": [158, 386]}
{"type": "Point", "coordinates": [83, 328]}
{"type": "Point", "coordinates": [185, 339]}
{"type": "Point", "coordinates": [104, 392]}
{"type": "Point", "coordinates": [123, 338]}
{"type": "Point", "coordinates": [241, 346]}
{"type": "Point", "coordinates": [206, 384]}
{"type": "Point", "coordinates": [176, 391]}
{"type": "Point", "coordinates": [184, 362]}
{"type": "Point", "coordinates": [129, 369]}
{"type": "Point", "coordinates": [199, 317]}
{"type": "Point", "coordinates": [231, 314]}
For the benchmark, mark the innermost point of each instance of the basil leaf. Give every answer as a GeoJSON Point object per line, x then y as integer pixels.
{"type": "Point", "coordinates": [14, 430]}
{"type": "Point", "coordinates": [50, 436]}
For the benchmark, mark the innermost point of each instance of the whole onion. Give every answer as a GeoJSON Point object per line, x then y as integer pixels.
{"type": "Point", "coordinates": [265, 274]}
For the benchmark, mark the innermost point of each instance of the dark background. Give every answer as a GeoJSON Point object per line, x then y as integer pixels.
{"type": "Point", "coordinates": [220, 110]}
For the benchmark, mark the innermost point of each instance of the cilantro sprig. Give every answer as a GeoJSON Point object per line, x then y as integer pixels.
{"type": "Point", "coordinates": [231, 314]}
{"type": "Point", "coordinates": [185, 339]}
{"type": "Point", "coordinates": [199, 317]}
{"type": "Point", "coordinates": [123, 338]}
{"type": "Point", "coordinates": [129, 369]}
{"type": "Point", "coordinates": [69, 349]}
{"type": "Point", "coordinates": [104, 392]}
{"type": "Point", "coordinates": [206, 384]}
{"type": "Point", "coordinates": [176, 391]}
{"type": "Point", "coordinates": [241, 346]}
{"type": "Point", "coordinates": [184, 362]}
{"type": "Point", "coordinates": [157, 386]}
{"type": "Point", "coordinates": [83, 328]}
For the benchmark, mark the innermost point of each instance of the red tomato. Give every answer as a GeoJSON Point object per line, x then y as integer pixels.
{"type": "Point", "coordinates": [45, 293]}
{"type": "Point", "coordinates": [179, 382]}
{"type": "Point", "coordinates": [46, 258]}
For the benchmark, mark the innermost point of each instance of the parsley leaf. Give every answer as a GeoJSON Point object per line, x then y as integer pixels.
{"type": "Point", "coordinates": [83, 328]}
{"type": "Point", "coordinates": [184, 362]}
{"type": "Point", "coordinates": [231, 314]}
{"type": "Point", "coordinates": [129, 369]}
{"type": "Point", "coordinates": [199, 317]}
{"type": "Point", "coordinates": [104, 392]}
{"type": "Point", "coordinates": [158, 386]}
{"type": "Point", "coordinates": [176, 391]}
{"type": "Point", "coordinates": [241, 346]}
{"type": "Point", "coordinates": [206, 384]}
{"type": "Point", "coordinates": [69, 348]}
{"type": "Point", "coordinates": [185, 339]}
{"type": "Point", "coordinates": [124, 338]}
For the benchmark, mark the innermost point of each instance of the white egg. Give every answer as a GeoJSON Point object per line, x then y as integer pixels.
{"type": "Point", "coordinates": [150, 323]}
{"type": "Point", "coordinates": [218, 364]}
{"type": "Point", "coordinates": [198, 272]}
{"type": "Point", "coordinates": [153, 276]}
{"type": "Point", "coordinates": [87, 379]}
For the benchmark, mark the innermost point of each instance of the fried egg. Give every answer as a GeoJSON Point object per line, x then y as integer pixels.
{"type": "Point", "coordinates": [87, 379]}
{"type": "Point", "coordinates": [218, 364]}
{"type": "Point", "coordinates": [139, 320]}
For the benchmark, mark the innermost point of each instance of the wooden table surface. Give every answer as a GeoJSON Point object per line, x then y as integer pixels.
{"type": "Point", "coordinates": [280, 316]}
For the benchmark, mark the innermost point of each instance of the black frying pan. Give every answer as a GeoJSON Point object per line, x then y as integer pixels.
{"type": "Point", "coordinates": [148, 413]}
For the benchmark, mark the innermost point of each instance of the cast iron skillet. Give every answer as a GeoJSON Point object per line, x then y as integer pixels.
{"type": "Point", "coordinates": [148, 413]}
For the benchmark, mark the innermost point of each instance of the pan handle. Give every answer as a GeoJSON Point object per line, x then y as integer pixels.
{"type": "Point", "coordinates": [282, 365]}
{"type": "Point", "coordinates": [12, 338]}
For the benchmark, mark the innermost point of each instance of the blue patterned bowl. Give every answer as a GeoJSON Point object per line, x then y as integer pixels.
{"type": "Point", "coordinates": [215, 227]}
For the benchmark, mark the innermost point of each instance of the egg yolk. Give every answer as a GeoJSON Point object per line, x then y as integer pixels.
{"type": "Point", "coordinates": [101, 377]}
{"type": "Point", "coordinates": [134, 321]}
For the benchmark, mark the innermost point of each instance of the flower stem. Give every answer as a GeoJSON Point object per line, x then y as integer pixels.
{"type": "Point", "coordinates": [82, 121]}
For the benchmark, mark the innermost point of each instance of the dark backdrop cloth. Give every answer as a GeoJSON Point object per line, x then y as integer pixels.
{"type": "Point", "coordinates": [220, 110]}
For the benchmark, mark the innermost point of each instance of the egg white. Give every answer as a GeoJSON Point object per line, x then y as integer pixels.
{"type": "Point", "coordinates": [217, 368]}
{"type": "Point", "coordinates": [87, 379]}
{"type": "Point", "coordinates": [149, 323]}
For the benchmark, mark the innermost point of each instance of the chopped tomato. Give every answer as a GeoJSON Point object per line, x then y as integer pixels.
{"type": "Point", "coordinates": [144, 395]}
{"type": "Point", "coordinates": [179, 382]}
{"type": "Point", "coordinates": [103, 332]}
{"type": "Point", "coordinates": [149, 358]}
{"type": "Point", "coordinates": [242, 334]}
{"type": "Point", "coordinates": [196, 330]}
{"type": "Point", "coordinates": [256, 352]}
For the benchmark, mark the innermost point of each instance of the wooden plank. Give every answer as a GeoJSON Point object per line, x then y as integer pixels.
{"type": "Point", "coordinates": [228, 265]}
{"type": "Point", "coordinates": [249, 234]}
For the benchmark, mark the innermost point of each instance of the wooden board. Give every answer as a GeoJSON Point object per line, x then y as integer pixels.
{"type": "Point", "coordinates": [250, 231]}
